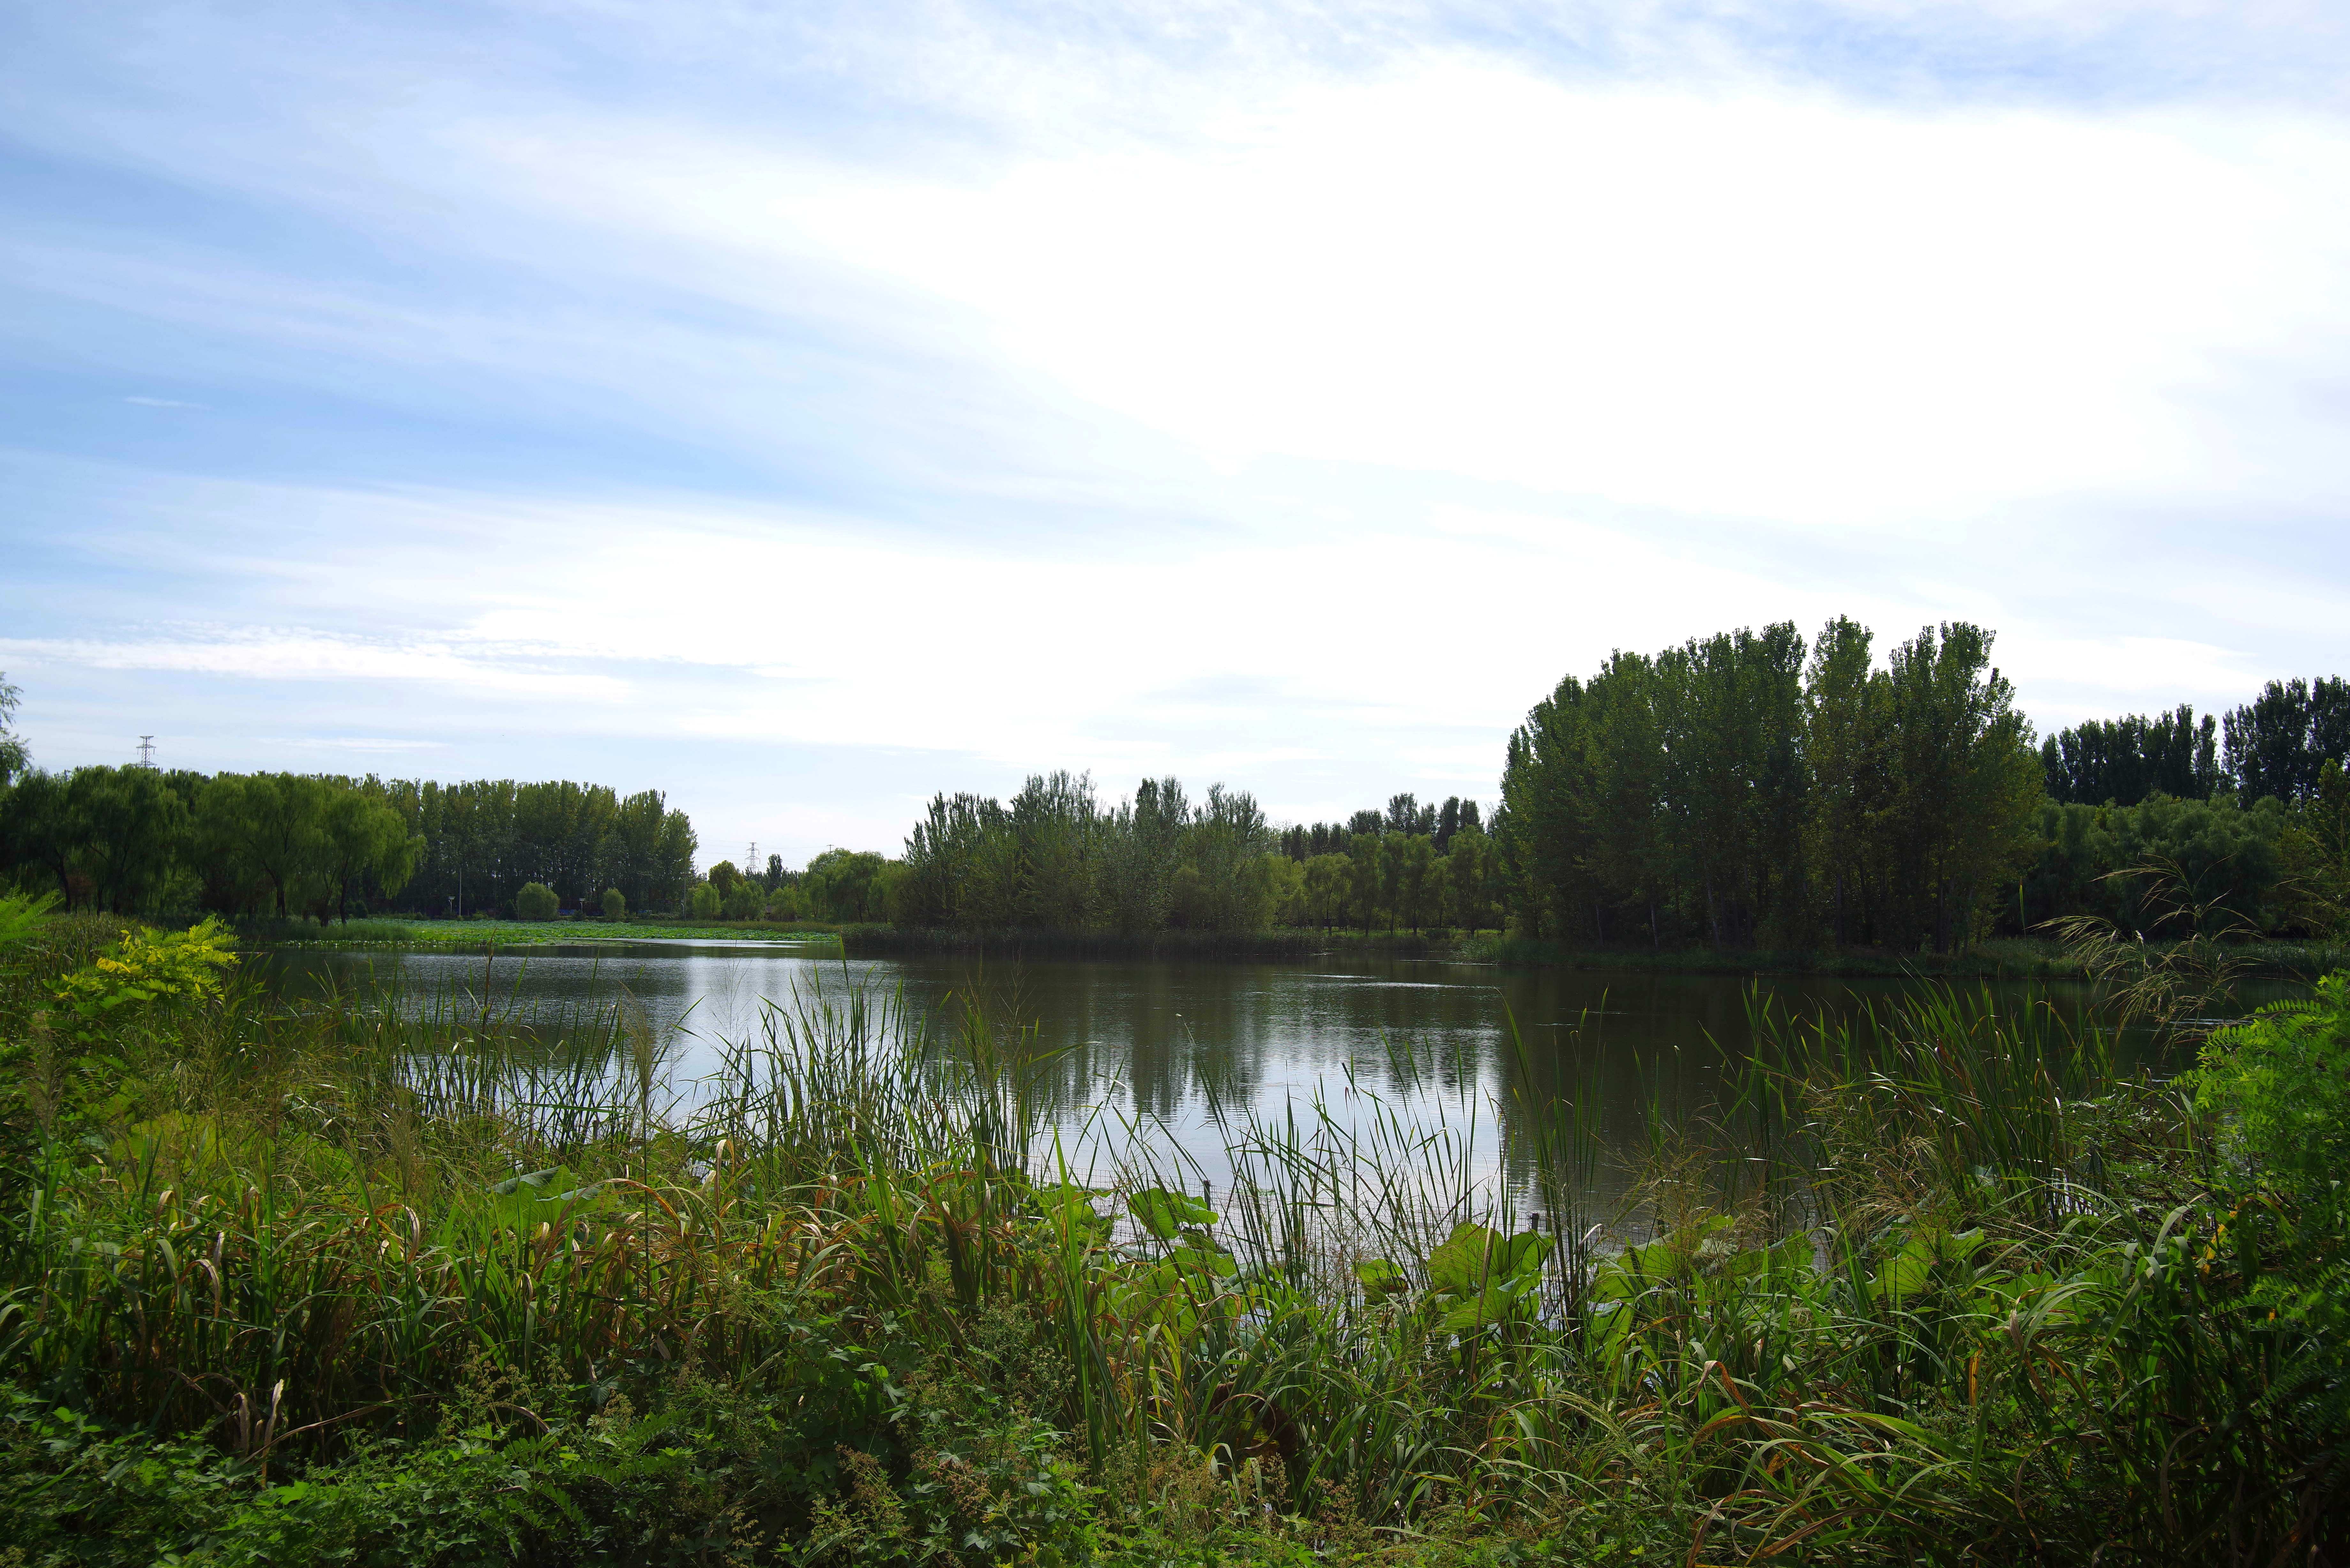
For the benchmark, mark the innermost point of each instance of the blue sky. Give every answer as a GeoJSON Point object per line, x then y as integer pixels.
{"type": "Point", "coordinates": [802, 410]}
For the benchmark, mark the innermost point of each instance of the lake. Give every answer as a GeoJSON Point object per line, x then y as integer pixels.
{"type": "Point", "coordinates": [1188, 1051]}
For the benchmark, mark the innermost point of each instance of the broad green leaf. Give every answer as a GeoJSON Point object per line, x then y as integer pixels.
{"type": "Point", "coordinates": [1474, 1259]}
{"type": "Point", "coordinates": [1458, 1265]}
{"type": "Point", "coordinates": [1912, 1270]}
{"type": "Point", "coordinates": [1381, 1279]}
{"type": "Point", "coordinates": [1521, 1257]}
{"type": "Point", "coordinates": [1164, 1214]}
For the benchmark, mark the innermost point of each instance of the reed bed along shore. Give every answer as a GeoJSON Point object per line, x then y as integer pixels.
{"type": "Point", "coordinates": [448, 1283]}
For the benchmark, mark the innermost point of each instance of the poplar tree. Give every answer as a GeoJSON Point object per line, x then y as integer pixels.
{"type": "Point", "coordinates": [1968, 779]}
{"type": "Point", "coordinates": [1843, 737]}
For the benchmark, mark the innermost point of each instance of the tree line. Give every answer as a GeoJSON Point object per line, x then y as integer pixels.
{"type": "Point", "coordinates": [1741, 790]}
{"type": "Point", "coordinates": [1404, 814]}
{"type": "Point", "coordinates": [836, 886]}
{"type": "Point", "coordinates": [482, 841]}
{"type": "Point", "coordinates": [1056, 857]}
{"type": "Point", "coordinates": [2275, 746]}
{"type": "Point", "coordinates": [136, 839]}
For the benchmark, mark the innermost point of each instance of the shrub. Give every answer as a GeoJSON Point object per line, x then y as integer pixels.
{"type": "Point", "coordinates": [703, 903]}
{"type": "Point", "coordinates": [149, 966]}
{"type": "Point", "coordinates": [2280, 1085]}
{"type": "Point", "coordinates": [615, 906]}
{"type": "Point", "coordinates": [743, 901]}
{"type": "Point", "coordinates": [536, 901]}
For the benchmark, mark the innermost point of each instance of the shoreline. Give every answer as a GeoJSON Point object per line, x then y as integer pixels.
{"type": "Point", "coordinates": [1997, 958]}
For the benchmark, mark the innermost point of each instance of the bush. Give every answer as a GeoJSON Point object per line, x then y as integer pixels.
{"type": "Point", "coordinates": [615, 906]}
{"type": "Point", "coordinates": [744, 901]}
{"type": "Point", "coordinates": [536, 901]}
{"type": "Point", "coordinates": [703, 903]}
{"type": "Point", "coordinates": [2280, 1085]}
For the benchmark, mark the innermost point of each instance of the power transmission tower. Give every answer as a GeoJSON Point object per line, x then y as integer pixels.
{"type": "Point", "coordinates": [146, 750]}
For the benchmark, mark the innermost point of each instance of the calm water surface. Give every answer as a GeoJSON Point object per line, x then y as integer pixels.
{"type": "Point", "coordinates": [1192, 1051]}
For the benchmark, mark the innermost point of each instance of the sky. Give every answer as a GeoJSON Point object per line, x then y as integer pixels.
{"type": "Point", "coordinates": [804, 409]}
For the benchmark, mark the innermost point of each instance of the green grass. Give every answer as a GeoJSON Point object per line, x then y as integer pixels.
{"type": "Point", "coordinates": [473, 933]}
{"type": "Point", "coordinates": [1279, 944]}
{"type": "Point", "coordinates": [2027, 958]}
{"type": "Point", "coordinates": [420, 1282]}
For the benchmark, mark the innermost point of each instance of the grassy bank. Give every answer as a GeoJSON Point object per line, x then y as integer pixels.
{"type": "Point", "coordinates": [431, 1286]}
{"type": "Point", "coordinates": [1267, 946]}
{"type": "Point", "coordinates": [2013, 957]}
{"type": "Point", "coordinates": [399, 933]}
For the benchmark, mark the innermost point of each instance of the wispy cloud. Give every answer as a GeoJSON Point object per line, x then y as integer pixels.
{"type": "Point", "coordinates": [255, 654]}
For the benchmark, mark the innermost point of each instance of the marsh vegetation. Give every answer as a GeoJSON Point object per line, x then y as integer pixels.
{"type": "Point", "coordinates": [452, 1282]}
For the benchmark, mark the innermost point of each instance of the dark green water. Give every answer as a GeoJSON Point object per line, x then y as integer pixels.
{"type": "Point", "coordinates": [1193, 1049]}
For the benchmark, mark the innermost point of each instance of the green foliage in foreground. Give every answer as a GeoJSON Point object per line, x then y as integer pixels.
{"type": "Point", "coordinates": [423, 1284]}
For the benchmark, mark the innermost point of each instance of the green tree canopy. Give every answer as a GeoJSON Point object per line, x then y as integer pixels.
{"type": "Point", "coordinates": [1731, 790]}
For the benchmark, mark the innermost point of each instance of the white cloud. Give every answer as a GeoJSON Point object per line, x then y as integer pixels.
{"type": "Point", "coordinates": [1740, 305]}
{"type": "Point", "coordinates": [291, 655]}
{"type": "Point", "coordinates": [1258, 394]}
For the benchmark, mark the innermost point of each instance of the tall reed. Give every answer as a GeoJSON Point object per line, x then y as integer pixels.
{"type": "Point", "coordinates": [1928, 1282]}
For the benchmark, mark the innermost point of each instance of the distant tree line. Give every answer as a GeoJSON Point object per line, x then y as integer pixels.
{"type": "Point", "coordinates": [1741, 790]}
{"type": "Point", "coordinates": [2274, 746]}
{"type": "Point", "coordinates": [2279, 743]}
{"type": "Point", "coordinates": [1055, 858]}
{"type": "Point", "coordinates": [836, 886]}
{"type": "Point", "coordinates": [482, 841]}
{"type": "Point", "coordinates": [2253, 823]}
{"type": "Point", "coordinates": [2122, 761]}
{"type": "Point", "coordinates": [1746, 789]}
{"type": "Point", "coordinates": [1404, 814]}
{"type": "Point", "coordinates": [1413, 865]}
{"type": "Point", "coordinates": [135, 839]}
